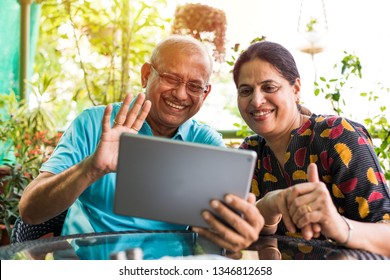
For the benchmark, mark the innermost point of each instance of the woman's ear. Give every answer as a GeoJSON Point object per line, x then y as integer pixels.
{"type": "Point", "coordinates": [297, 90]}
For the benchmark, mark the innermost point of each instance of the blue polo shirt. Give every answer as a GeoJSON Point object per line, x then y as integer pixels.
{"type": "Point", "coordinates": [93, 210]}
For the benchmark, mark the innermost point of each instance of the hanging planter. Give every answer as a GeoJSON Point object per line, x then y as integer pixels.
{"type": "Point", "coordinates": [312, 26]}
{"type": "Point", "coordinates": [204, 23]}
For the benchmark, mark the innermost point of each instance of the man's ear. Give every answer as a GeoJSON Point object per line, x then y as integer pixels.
{"type": "Point", "coordinates": [145, 73]}
{"type": "Point", "coordinates": [207, 92]}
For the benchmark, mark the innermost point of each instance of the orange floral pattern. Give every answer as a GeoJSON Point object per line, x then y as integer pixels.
{"type": "Point", "coordinates": [346, 161]}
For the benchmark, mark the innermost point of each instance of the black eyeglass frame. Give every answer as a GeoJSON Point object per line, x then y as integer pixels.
{"type": "Point", "coordinates": [178, 81]}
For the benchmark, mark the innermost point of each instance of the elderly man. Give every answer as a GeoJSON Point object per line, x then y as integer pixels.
{"type": "Point", "coordinates": [80, 175]}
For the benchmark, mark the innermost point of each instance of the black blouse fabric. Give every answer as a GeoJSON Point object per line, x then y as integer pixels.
{"type": "Point", "coordinates": [346, 163]}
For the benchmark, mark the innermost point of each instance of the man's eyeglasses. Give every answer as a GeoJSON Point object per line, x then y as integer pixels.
{"type": "Point", "coordinates": [173, 81]}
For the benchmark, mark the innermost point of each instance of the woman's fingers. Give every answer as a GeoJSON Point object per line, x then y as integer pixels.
{"type": "Point", "coordinates": [312, 173]}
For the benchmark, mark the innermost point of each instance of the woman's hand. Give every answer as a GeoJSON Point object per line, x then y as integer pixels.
{"type": "Point", "coordinates": [311, 204]}
{"type": "Point", "coordinates": [243, 230]}
{"type": "Point", "coordinates": [278, 202]}
{"type": "Point", "coordinates": [273, 206]}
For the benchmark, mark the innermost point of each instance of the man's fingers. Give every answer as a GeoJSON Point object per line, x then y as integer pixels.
{"type": "Point", "coordinates": [138, 122]}
{"type": "Point", "coordinates": [121, 116]}
{"type": "Point", "coordinates": [246, 227]}
{"type": "Point", "coordinates": [106, 122]}
{"type": "Point", "coordinates": [251, 198]}
{"type": "Point", "coordinates": [251, 215]}
{"type": "Point", "coordinates": [129, 115]}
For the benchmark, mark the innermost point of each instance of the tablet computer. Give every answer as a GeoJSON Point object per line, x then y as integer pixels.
{"type": "Point", "coordinates": [174, 181]}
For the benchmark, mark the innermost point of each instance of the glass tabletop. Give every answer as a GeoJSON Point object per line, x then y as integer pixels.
{"type": "Point", "coordinates": [116, 245]}
{"type": "Point", "coordinates": [154, 245]}
{"type": "Point", "coordinates": [295, 247]}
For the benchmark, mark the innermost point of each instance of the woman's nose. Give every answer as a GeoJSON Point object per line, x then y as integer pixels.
{"type": "Point", "coordinates": [258, 97]}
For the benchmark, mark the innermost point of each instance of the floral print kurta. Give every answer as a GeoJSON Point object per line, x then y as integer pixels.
{"type": "Point", "coordinates": [346, 163]}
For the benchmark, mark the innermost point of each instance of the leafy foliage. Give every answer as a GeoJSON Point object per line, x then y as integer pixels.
{"type": "Point", "coordinates": [29, 138]}
{"type": "Point", "coordinates": [311, 25]}
{"type": "Point", "coordinates": [95, 48]}
{"type": "Point", "coordinates": [237, 50]}
{"type": "Point", "coordinates": [11, 189]}
{"type": "Point", "coordinates": [332, 89]}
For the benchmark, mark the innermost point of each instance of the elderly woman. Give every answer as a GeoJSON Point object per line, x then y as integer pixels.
{"type": "Point", "coordinates": [315, 173]}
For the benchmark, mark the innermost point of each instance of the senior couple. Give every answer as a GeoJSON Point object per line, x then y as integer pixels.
{"type": "Point", "coordinates": [313, 172]}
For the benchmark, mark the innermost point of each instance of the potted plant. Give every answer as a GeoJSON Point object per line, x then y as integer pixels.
{"type": "Point", "coordinates": [203, 22]}
{"type": "Point", "coordinates": [11, 188]}
{"type": "Point", "coordinates": [28, 141]}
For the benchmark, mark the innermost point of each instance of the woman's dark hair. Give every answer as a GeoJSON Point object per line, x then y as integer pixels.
{"type": "Point", "coordinates": [273, 53]}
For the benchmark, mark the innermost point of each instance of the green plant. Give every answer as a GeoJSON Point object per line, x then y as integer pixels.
{"type": "Point", "coordinates": [11, 189]}
{"type": "Point", "coordinates": [97, 47]}
{"type": "Point", "coordinates": [29, 139]}
{"type": "Point", "coordinates": [379, 128]}
{"type": "Point", "coordinates": [310, 25]}
{"type": "Point", "coordinates": [332, 89]}
{"type": "Point", "coordinates": [237, 50]}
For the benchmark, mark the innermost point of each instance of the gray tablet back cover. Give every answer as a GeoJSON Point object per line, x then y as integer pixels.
{"type": "Point", "coordinates": [173, 181]}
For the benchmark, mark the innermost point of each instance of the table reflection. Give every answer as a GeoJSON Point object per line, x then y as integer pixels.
{"type": "Point", "coordinates": [173, 244]}
{"type": "Point", "coordinates": [267, 249]}
{"type": "Point", "coordinates": [294, 247]}
{"type": "Point", "coordinates": [152, 246]}
{"type": "Point", "coordinates": [106, 246]}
